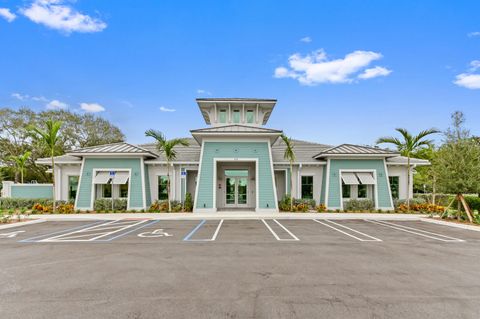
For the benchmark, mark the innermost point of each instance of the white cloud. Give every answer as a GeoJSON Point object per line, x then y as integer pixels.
{"type": "Point", "coordinates": [56, 105]}
{"type": "Point", "coordinates": [306, 39]}
{"type": "Point", "coordinates": [21, 97]}
{"type": "Point", "coordinates": [164, 109]}
{"type": "Point", "coordinates": [469, 81]}
{"type": "Point", "coordinates": [7, 14]}
{"type": "Point", "coordinates": [56, 15]}
{"type": "Point", "coordinates": [201, 91]}
{"type": "Point", "coordinates": [374, 72]}
{"type": "Point", "coordinates": [474, 34]}
{"type": "Point", "coordinates": [92, 107]}
{"type": "Point", "coordinates": [316, 68]}
{"type": "Point", "coordinates": [40, 99]}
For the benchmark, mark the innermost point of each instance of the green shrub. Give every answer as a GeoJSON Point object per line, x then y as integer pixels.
{"type": "Point", "coordinates": [309, 202]}
{"type": "Point", "coordinates": [188, 204]}
{"type": "Point", "coordinates": [413, 201]}
{"type": "Point", "coordinates": [105, 204]}
{"type": "Point", "coordinates": [19, 203]}
{"type": "Point", "coordinates": [284, 203]}
{"type": "Point", "coordinates": [440, 199]}
{"type": "Point", "coordinates": [353, 205]}
{"type": "Point", "coordinates": [176, 206]}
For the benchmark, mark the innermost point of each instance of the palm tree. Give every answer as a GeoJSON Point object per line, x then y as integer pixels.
{"type": "Point", "coordinates": [49, 137]}
{"type": "Point", "coordinates": [167, 147]}
{"type": "Point", "coordinates": [289, 155]}
{"type": "Point", "coordinates": [407, 146]}
{"type": "Point", "coordinates": [20, 162]}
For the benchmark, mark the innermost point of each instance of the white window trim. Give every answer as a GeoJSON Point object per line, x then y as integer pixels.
{"type": "Point", "coordinates": [301, 185]}
{"type": "Point", "coordinates": [94, 173]}
{"type": "Point", "coordinates": [375, 189]}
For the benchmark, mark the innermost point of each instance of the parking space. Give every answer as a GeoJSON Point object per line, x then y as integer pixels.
{"type": "Point", "coordinates": [272, 268]}
{"type": "Point", "coordinates": [261, 230]}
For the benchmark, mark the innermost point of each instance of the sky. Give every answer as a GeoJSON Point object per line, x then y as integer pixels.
{"type": "Point", "coordinates": [342, 71]}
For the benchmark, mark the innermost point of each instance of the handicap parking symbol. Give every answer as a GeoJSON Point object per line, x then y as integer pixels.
{"type": "Point", "coordinates": [156, 233]}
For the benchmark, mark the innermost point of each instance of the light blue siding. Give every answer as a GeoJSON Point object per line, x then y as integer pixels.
{"type": "Point", "coordinates": [32, 191]}
{"type": "Point", "coordinates": [85, 188]}
{"type": "Point", "coordinates": [259, 150]}
{"type": "Point", "coordinates": [334, 187]}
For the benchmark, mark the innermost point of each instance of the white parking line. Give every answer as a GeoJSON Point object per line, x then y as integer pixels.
{"type": "Point", "coordinates": [214, 237]}
{"type": "Point", "coordinates": [95, 232]}
{"type": "Point", "coordinates": [294, 238]}
{"type": "Point", "coordinates": [416, 231]}
{"type": "Point", "coordinates": [371, 238]}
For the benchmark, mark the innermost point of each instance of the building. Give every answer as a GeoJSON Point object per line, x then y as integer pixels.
{"type": "Point", "coordinates": [236, 163]}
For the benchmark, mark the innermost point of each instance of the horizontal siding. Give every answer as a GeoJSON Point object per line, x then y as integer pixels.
{"type": "Point", "coordinates": [85, 187]}
{"type": "Point", "coordinates": [383, 186]}
{"type": "Point", "coordinates": [32, 191]}
{"type": "Point", "coordinates": [259, 150]}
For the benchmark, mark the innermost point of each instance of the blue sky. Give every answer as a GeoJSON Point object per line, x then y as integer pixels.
{"type": "Point", "coordinates": [342, 71]}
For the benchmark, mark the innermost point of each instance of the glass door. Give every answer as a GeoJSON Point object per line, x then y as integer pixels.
{"type": "Point", "coordinates": [236, 188]}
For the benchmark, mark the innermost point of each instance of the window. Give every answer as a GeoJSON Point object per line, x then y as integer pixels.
{"type": "Point", "coordinates": [222, 116]}
{"type": "Point", "coordinates": [107, 190]}
{"type": "Point", "coordinates": [162, 188]}
{"type": "Point", "coordinates": [236, 116]}
{"type": "Point", "coordinates": [72, 187]}
{"type": "Point", "coordinates": [250, 116]}
{"type": "Point", "coordinates": [307, 187]}
{"type": "Point", "coordinates": [346, 189]}
{"type": "Point", "coordinates": [362, 191]}
{"type": "Point", "coordinates": [124, 190]}
{"type": "Point", "coordinates": [394, 186]}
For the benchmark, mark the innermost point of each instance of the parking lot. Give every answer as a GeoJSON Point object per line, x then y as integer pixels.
{"type": "Point", "coordinates": [265, 268]}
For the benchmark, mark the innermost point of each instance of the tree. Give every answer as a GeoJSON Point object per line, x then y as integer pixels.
{"type": "Point", "coordinates": [79, 130]}
{"type": "Point", "coordinates": [408, 146]}
{"type": "Point", "coordinates": [458, 163]}
{"type": "Point", "coordinates": [20, 162]}
{"type": "Point", "coordinates": [167, 148]}
{"type": "Point", "coordinates": [289, 155]}
{"type": "Point", "coordinates": [49, 138]}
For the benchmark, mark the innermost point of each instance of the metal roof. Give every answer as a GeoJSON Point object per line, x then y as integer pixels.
{"type": "Point", "coordinates": [114, 148]}
{"type": "Point", "coordinates": [59, 159]}
{"type": "Point", "coordinates": [402, 160]}
{"type": "Point", "coordinates": [350, 149]}
{"type": "Point", "coordinates": [236, 128]}
{"type": "Point", "coordinates": [304, 151]}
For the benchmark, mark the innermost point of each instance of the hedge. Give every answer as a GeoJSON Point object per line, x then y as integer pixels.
{"type": "Point", "coordinates": [105, 204]}
{"type": "Point", "coordinates": [354, 205]}
{"type": "Point", "coordinates": [19, 203]}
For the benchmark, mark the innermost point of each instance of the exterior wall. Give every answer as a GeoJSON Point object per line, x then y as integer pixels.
{"type": "Point", "coordinates": [317, 173]}
{"type": "Point", "coordinates": [62, 172]}
{"type": "Point", "coordinates": [334, 185]}
{"type": "Point", "coordinates": [148, 192]}
{"type": "Point", "coordinates": [235, 150]}
{"type": "Point", "coordinates": [31, 191]}
{"type": "Point", "coordinates": [401, 172]}
{"type": "Point", "coordinates": [324, 183]}
{"type": "Point", "coordinates": [136, 186]}
{"type": "Point", "coordinates": [191, 185]}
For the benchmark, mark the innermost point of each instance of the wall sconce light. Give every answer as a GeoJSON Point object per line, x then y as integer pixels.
{"type": "Point", "coordinates": [334, 174]}
{"type": "Point", "coordinates": [380, 174]}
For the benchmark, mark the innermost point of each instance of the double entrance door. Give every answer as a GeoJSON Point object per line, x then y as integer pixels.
{"type": "Point", "coordinates": [236, 188]}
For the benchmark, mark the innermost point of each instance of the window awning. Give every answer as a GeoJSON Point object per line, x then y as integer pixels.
{"type": "Point", "coordinates": [120, 178]}
{"type": "Point", "coordinates": [102, 178]}
{"type": "Point", "coordinates": [366, 178]}
{"type": "Point", "coordinates": [349, 178]}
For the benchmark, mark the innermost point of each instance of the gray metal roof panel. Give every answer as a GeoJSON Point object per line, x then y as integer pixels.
{"type": "Point", "coordinates": [351, 149]}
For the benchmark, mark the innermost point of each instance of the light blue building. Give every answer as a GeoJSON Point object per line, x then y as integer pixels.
{"type": "Point", "coordinates": [236, 163]}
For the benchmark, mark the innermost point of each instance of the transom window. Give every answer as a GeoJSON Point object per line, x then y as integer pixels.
{"type": "Point", "coordinates": [250, 116]}
{"type": "Point", "coordinates": [307, 187]}
{"type": "Point", "coordinates": [162, 187]}
{"type": "Point", "coordinates": [222, 116]}
{"type": "Point", "coordinates": [236, 116]}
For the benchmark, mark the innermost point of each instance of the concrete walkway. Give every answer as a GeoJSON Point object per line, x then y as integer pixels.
{"type": "Point", "coordinates": [230, 215]}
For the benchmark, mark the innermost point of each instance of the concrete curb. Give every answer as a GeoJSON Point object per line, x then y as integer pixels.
{"type": "Point", "coordinates": [28, 222]}
{"type": "Point", "coordinates": [230, 215]}
{"type": "Point", "coordinates": [450, 224]}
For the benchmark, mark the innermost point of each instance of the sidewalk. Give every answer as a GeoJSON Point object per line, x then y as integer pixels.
{"type": "Point", "coordinates": [229, 215]}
